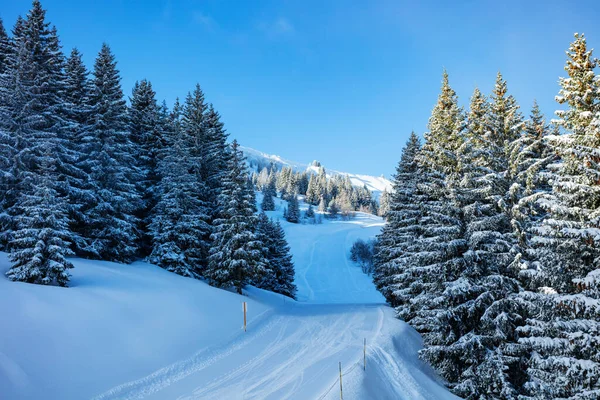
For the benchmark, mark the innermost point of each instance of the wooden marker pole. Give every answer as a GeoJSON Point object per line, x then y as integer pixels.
{"type": "Point", "coordinates": [365, 356]}
{"type": "Point", "coordinates": [341, 391]}
{"type": "Point", "coordinates": [245, 308]}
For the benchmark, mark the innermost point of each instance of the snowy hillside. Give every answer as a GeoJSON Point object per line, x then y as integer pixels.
{"type": "Point", "coordinates": [258, 160]}
{"type": "Point", "coordinates": [137, 331]}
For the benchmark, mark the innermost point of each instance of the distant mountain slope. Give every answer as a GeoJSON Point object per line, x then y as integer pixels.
{"type": "Point", "coordinates": [257, 160]}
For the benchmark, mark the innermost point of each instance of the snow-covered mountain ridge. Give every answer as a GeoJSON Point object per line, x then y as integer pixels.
{"type": "Point", "coordinates": [257, 160]}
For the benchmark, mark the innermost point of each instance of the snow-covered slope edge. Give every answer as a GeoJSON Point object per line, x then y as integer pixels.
{"type": "Point", "coordinates": [258, 160]}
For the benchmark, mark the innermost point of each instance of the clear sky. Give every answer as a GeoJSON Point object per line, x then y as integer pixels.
{"type": "Point", "coordinates": [340, 81]}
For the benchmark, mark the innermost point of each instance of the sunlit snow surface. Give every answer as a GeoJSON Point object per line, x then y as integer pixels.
{"type": "Point", "coordinates": [139, 332]}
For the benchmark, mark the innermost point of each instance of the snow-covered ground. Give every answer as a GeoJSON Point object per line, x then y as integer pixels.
{"type": "Point", "coordinates": [257, 160]}
{"type": "Point", "coordinates": [137, 331]}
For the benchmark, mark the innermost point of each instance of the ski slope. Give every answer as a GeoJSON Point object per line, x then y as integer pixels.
{"type": "Point", "coordinates": [139, 332]}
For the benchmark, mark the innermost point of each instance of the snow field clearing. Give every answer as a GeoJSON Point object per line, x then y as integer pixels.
{"type": "Point", "coordinates": [137, 331]}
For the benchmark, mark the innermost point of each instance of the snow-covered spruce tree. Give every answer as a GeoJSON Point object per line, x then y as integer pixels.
{"type": "Point", "coordinates": [402, 219]}
{"type": "Point", "coordinates": [333, 209]}
{"type": "Point", "coordinates": [111, 230]}
{"type": "Point", "coordinates": [214, 166]}
{"type": "Point", "coordinates": [75, 179]}
{"type": "Point", "coordinates": [474, 346]}
{"type": "Point", "coordinates": [4, 48]}
{"type": "Point", "coordinates": [31, 112]}
{"type": "Point", "coordinates": [201, 124]}
{"type": "Point", "coordinates": [293, 209]}
{"type": "Point", "coordinates": [565, 333]}
{"type": "Point", "coordinates": [179, 221]}
{"type": "Point", "coordinates": [146, 134]}
{"type": "Point", "coordinates": [310, 212]}
{"type": "Point", "coordinates": [236, 256]}
{"type": "Point", "coordinates": [42, 237]}
{"type": "Point", "coordinates": [434, 257]}
{"type": "Point", "coordinates": [533, 164]}
{"type": "Point", "coordinates": [384, 204]}
{"type": "Point", "coordinates": [12, 98]}
{"type": "Point", "coordinates": [279, 268]}
{"type": "Point", "coordinates": [269, 192]}
{"type": "Point", "coordinates": [312, 193]}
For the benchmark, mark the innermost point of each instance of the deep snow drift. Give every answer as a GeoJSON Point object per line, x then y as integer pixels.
{"type": "Point", "coordinates": [137, 331]}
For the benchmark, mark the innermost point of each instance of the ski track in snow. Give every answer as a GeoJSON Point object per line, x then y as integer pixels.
{"type": "Point", "coordinates": [140, 332]}
{"type": "Point", "coordinates": [293, 353]}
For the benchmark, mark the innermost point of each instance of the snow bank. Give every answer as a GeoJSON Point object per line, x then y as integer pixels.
{"type": "Point", "coordinates": [116, 323]}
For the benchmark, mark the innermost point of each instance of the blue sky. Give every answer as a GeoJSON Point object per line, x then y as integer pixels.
{"type": "Point", "coordinates": [340, 81]}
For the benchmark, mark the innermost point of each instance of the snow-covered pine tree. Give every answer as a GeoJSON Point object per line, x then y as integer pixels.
{"type": "Point", "coordinates": [269, 192]}
{"type": "Point", "coordinates": [76, 181]}
{"type": "Point", "coordinates": [532, 168]}
{"type": "Point", "coordinates": [402, 220]}
{"type": "Point", "coordinates": [148, 141]}
{"type": "Point", "coordinates": [435, 256]}
{"type": "Point", "coordinates": [333, 209]}
{"type": "Point", "coordinates": [12, 99]}
{"type": "Point", "coordinates": [31, 111]}
{"type": "Point", "coordinates": [322, 187]}
{"type": "Point", "coordinates": [322, 205]}
{"type": "Point", "coordinates": [215, 156]}
{"type": "Point", "coordinates": [474, 343]}
{"type": "Point", "coordinates": [312, 193]}
{"type": "Point", "coordinates": [310, 211]}
{"type": "Point", "coordinates": [179, 221]}
{"type": "Point", "coordinates": [564, 334]}
{"type": "Point", "coordinates": [384, 204]}
{"type": "Point", "coordinates": [279, 271]}
{"type": "Point", "coordinates": [4, 48]}
{"type": "Point", "coordinates": [201, 124]}
{"type": "Point", "coordinates": [262, 178]}
{"type": "Point", "coordinates": [111, 231]}
{"type": "Point", "coordinates": [236, 256]}
{"type": "Point", "coordinates": [42, 237]}
{"type": "Point", "coordinates": [293, 209]}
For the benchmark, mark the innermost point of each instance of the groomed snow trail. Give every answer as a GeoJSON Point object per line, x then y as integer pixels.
{"type": "Point", "coordinates": [139, 332]}
{"type": "Point", "coordinates": [294, 352]}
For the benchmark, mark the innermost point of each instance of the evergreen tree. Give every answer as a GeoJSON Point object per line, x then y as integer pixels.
{"type": "Point", "coordinates": [80, 188]}
{"type": "Point", "coordinates": [322, 205]}
{"type": "Point", "coordinates": [402, 220]}
{"type": "Point", "coordinates": [384, 204]}
{"type": "Point", "coordinates": [147, 137]}
{"type": "Point", "coordinates": [216, 155]}
{"type": "Point", "coordinates": [42, 237]}
{"type": "Point", "coordinates": [269, 191]}
{"type": "Point", "coordinates": [564, 332]}
{"type": "Point", "coordinates": [32, 118]}
{"type": "Point", "coordinates": [179, 221]}
{"type": "Point", "coordinates": [482, 309]}
{"type": "Point", "coordinates": [293, 209]}
{"type": "Point", "coordinates": [310, 212]}
{"type": "Point", "coordinates": [279, 271]}
{"type": "Point", "coordinates": [312, 193]}
{"type": "Point", "coordinates": [435, 256]}
{"type": "Point", "coordinates": [4, 48]}
{"type": "Point", "coordinates": [532, 160]}
{"type": "Point", "coordinates": [111, 230]}
{"type": "Point", "coordinates": [236, 257]}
